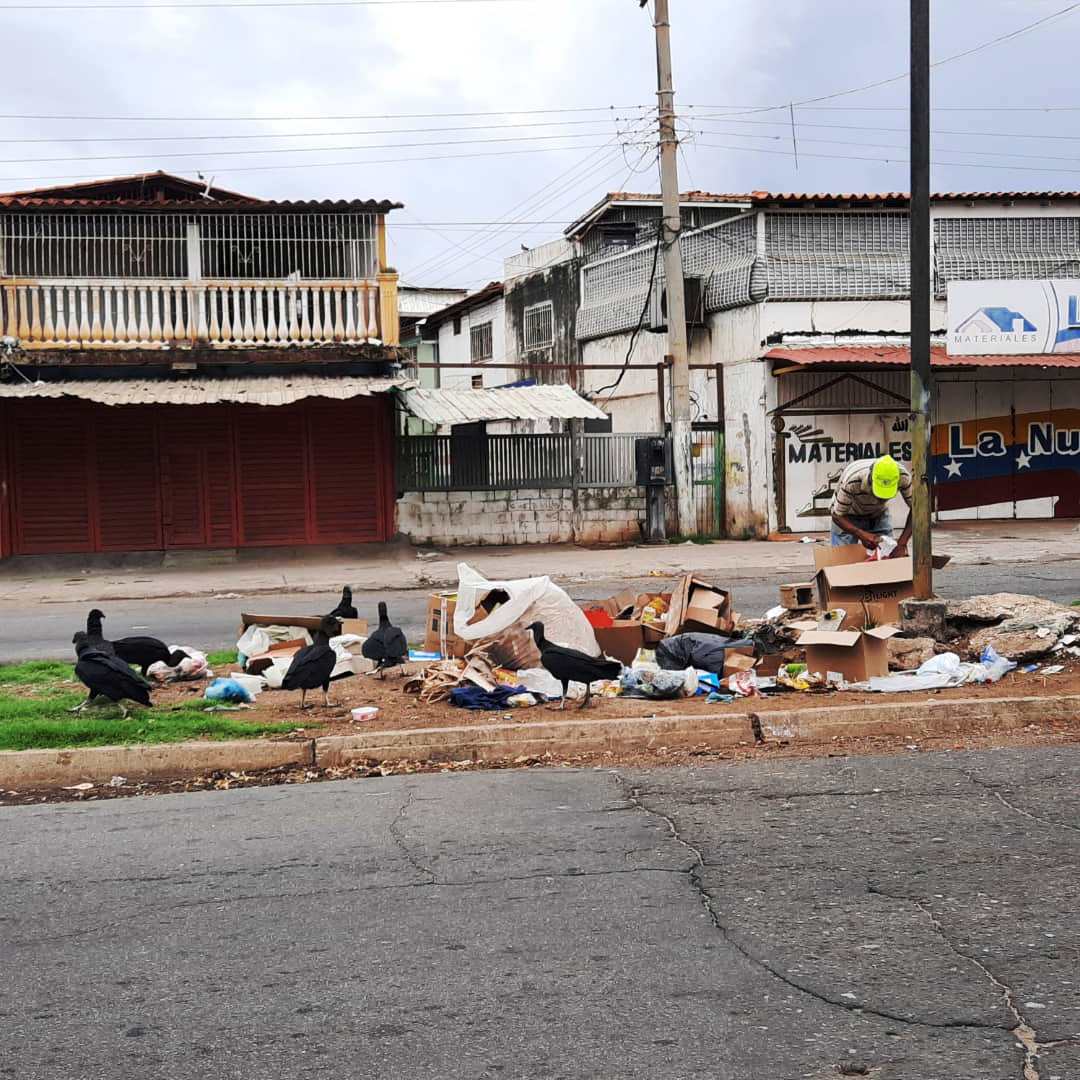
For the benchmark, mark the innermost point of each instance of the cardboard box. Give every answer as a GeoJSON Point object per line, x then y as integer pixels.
{"type": "Point", "coordinates": [698, 606]}
{"type": "Point", "coordinates": [736, 660]}
{"type": "Point", "coordinates": [307, 622]}
{"type": "Point", "coordinates": [619, 606]}
{"type": "Point", "coordinates": [856, 586]}
{"type": "Point", "coordinates": [439, 633]}
{"type": "Point", "coordinates": [799, 596]}
{"type": "Point", "coordinates": [847, 554]}
{"type": "Point", "coordinates": [857, 655]}
{"type": "Point", "coordinates": [622, 640]}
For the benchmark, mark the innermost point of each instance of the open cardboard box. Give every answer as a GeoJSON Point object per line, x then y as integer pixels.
{"type": "Point", "coordinates": [857, 655]}
{"type": "Point", "coordinates": [698, 606]}
{"type": "Point", "coordinates": [869, 589]}
{"type": "Point", "coordinates": [439, 633]}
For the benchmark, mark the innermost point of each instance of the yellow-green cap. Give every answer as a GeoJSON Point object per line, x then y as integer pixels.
{"type": "Point", "coordinates": [885, 477]}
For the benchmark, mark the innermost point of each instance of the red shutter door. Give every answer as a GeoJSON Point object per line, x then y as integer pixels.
{"type": "Point", "coordinates": [271, 464]}
{"type": "Point", "coordinates": [197, 477]}
{"type": "Point", "coordinates": [128, 498]}
{"type": "Point", "coordinates": [347, 480]}
{"type": "Point", "coordinates": [53, 478]}
{"type": "Point", "coordinates": [5, 484]}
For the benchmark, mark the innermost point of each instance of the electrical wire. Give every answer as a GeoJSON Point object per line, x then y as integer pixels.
{"type": "Point", "coordinates": [311, 134]}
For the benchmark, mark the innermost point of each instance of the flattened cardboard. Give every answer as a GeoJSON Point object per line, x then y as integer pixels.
{"type": "Point", "coordinates": [857, 655]}
{"type": "Point", "coordinates": [308, 622]}
{"type": "Point", "coordinates": [622, 640]}
{"type": "Point", "coordinates": [736, 660]}
{"type": "Point", "coordinates": [698, 606]}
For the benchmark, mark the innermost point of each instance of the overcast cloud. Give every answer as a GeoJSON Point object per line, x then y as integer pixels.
{"type": "Point", "coordinates": [532, 55]}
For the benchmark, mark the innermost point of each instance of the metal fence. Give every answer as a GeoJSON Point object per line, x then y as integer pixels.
{"type": "Point", "coordinates": [505, 462]}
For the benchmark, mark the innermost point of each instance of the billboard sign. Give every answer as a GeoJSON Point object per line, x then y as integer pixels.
{"type": "Point", "coordinates": [1010, 318]}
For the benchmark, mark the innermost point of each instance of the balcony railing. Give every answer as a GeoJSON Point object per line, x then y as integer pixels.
{"type": "Point", "coordinates": [96, 313]}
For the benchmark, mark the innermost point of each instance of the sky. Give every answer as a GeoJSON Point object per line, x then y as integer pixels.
{"type": "Point", "coordinates": [497, 122]}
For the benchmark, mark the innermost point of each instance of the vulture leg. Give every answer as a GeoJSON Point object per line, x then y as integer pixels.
{"type": "Point", "coordinates": [303, 694]}
{"type": "Point", "coordinates": [326, 696]}
{"type": "Point", "coordinates": [588, 697]}
{"type": "Point", "coordinates": [83, 704]}
{"type": "Point", "coordinates": [123, 710]}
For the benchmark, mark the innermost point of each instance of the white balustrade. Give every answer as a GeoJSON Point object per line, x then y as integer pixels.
{"type": "Point", "coordinates": [109, 314]}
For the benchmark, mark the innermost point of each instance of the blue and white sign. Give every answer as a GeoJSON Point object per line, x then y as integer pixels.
{"type": "Point", "coordinates": [1002, 318]}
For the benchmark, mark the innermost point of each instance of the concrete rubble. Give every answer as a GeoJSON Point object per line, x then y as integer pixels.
{"type": "Point", "coordinates": [1020, 627]}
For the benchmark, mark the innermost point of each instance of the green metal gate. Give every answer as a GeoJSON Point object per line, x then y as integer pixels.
{"type": "Point", "coordinates": [707, 449]}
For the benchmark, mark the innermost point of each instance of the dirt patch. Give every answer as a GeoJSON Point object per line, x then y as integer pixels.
{"type": "Point", "coordinates": [401, 711]}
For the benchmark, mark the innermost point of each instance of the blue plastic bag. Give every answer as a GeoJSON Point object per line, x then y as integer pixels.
{"type": "Point", "coordinates": [228, 690]}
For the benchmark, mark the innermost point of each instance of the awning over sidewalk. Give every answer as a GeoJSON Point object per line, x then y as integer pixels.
{"type": "Point", "coordinates": [508, 403]}
{"type": "Point", "coordinates": [900, 356]}
{"type": "Point", "coordinates": [255, 390]}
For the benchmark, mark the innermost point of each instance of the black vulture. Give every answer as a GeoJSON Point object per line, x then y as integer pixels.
{"type": "Point", "coordinates": [345, 609]}
{"type": "Point", "coordinates": [94, 635]}
{"type": "Point", "coordinates": [570, 665]}
{"type": "Point", "coordinates": [144, 651]}
{"type": "Point", "coordinates": [386, 646]}
{"type": "Point", "coordinates": [312, 666]}
{"type": "Point", "coordinates": [107, 676]}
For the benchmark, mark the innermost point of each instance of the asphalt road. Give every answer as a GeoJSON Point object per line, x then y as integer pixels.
{"type": "Point", "coordinates": [904, 918]}
{"type": "Point", "coordinates": [44, 630]}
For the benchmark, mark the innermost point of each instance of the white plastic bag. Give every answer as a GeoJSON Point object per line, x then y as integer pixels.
{"type": "Point", "coordinates": [946, 663]}
{"type": "Point", "coordinates": [529, 600]}
{"type": "Point", "coordinates": [254, 642]}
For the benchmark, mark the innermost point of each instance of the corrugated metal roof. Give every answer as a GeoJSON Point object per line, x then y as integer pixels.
{"type": "Point", "coordinates": [255, 390]}
{"type": "Point", "coordinates": [900, 356]}
{"type": "Point", "coordinates": [509, 403]}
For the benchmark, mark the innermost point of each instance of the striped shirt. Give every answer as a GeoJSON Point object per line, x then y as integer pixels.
{"type": "Point", "coordinates": [855, 492]}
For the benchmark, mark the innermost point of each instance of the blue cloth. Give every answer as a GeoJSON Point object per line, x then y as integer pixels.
{"type": "Point", "coordinates": [882, 525]}
{"type": "Point", "coordinates": [472, 697]}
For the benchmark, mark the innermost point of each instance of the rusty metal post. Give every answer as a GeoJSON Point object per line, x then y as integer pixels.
{"type": "Point", "coordinates": [920, 299]}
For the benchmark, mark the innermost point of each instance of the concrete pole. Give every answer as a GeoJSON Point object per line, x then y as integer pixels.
{"type": "Point", "coordinates": [921, 385]}
{"type": "Point", "coordinates": [678, 348]}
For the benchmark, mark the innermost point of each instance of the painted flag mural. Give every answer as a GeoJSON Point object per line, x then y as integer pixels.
{"type": "Point", "coordinates": [1002, 459]}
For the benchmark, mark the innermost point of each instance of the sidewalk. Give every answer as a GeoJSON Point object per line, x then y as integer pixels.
{"type": "Point", "coordinates": [392, 567]}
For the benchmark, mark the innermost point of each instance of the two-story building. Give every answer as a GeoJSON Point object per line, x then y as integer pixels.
{"type": "Point", "coordinates": [184, 366]}
{"type": "Point", "coordinates": [799, 333]}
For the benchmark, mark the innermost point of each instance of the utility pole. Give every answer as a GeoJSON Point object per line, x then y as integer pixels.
{"type": "Point", "coordinates": [920, 299]}
{"type": "Point", "coordinates": [671, 232]}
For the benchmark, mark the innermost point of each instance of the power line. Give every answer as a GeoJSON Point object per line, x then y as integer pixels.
{"type": "Point", "coordinates": [885, 161]}
{"type": "Point", "coordinates": [228, 171]}
{"type": "Point", "coordinates": [989, 44]}
{"type": "Point", "coordinates": [310, 134]}
{"type": "Point", "coordinates": [209, 4]}
{"type": "Point", "coordinates": [307, 118]}
{"type": "Point", "coordinates": [299, 149]}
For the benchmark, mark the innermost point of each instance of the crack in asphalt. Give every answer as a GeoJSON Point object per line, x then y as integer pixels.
{"type": "Point", "coordinates": [1024, 1033]}
{"type": "Point", "coordinates": [1018, 809]}
{"type": "Point", "coordinates": [399, 839]}
{"type": "Point", "coordinates": [693, 875]}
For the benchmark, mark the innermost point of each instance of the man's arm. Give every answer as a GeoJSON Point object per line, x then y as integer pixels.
{"type": "Point", "coordinates": [868, 539]}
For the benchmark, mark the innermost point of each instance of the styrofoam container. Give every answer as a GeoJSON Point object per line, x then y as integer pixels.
{"type": "Point", "coordinates": [365, 712]}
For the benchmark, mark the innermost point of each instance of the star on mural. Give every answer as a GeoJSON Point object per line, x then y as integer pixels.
{"type": "Point", "coordinates": [1023, 461]}
{"type": "Point", "coordinates": [952, 468]}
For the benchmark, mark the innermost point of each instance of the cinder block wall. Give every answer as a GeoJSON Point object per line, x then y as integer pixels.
{"type": "Point", "coordinates": [526, 516]}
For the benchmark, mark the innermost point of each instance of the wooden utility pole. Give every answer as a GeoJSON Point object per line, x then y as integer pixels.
{"type": "Point", "coordinates": [920, 299]}
{"type": "Point", "coordinates": [671, 231]}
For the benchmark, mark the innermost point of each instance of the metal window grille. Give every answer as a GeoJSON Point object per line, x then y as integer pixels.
{"type": "Point", "coordinates": [481, 343]}
{"type": "Point", "coordinates": [150, 245]}
{"type": "Point", "coordinates": [540, 326]}
{"type": "Point", "coordinates": [980, 249]}
{"type": "Point", "coordinates": [842, 255]}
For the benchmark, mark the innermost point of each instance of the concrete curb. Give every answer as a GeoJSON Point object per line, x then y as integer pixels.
{"type": "Point", "coordinates": [28, 769]}
{"type": "Point", "coordinates": [20, 769]}
{"type": "Point", "coordinates": [948, 716]}
{"type": "Point", "coordinates": [492, 742]}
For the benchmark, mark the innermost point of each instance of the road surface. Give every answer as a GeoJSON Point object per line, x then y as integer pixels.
{"type": "Point", "coordinates": [44, 630]}
{"type": "Point", "coordinates": [905, 918]}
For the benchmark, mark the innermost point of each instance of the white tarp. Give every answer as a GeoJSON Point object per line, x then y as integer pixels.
{"type": "Point", "coordinates": [530, 600]}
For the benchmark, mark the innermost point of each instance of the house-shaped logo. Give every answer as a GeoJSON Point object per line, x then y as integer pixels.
{"type": "Point", "coordinates": [996, 320]}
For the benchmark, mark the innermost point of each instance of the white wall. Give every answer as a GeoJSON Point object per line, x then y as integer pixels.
{"type": "Point", "coordinates": [454, 349]}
